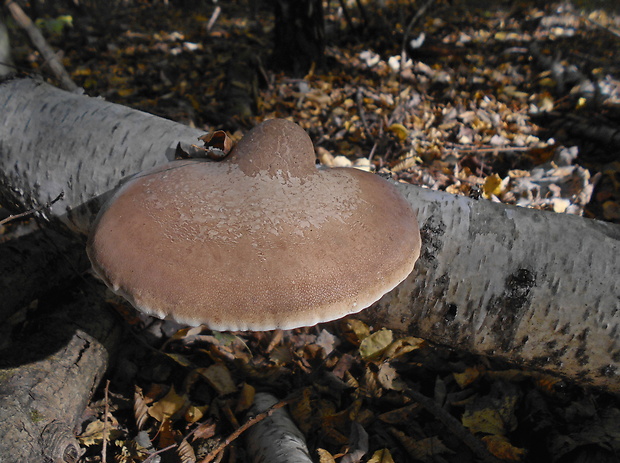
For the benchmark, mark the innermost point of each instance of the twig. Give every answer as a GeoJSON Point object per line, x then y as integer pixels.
{"type": "Point", "coordinates": [214, 16]}
{"type": "Point", "coordinates": [41, 44]}
{"type": "Point", "coordinates": [362, 113]}
{"type": "Point", "coordinates": [360, 7]}
{"type": "Point", "coordinates": [106, 410]}
{"type": "Point", "coordinates": [152, 455]}
{"type": "Point", "coordinates": [602, 26]}
{"type": "Point", "coordinates": [416, 18]}
{"type": "Point", "coordinates": [247, 425]}
{"type": "Point", "coordinates": [33, 211]}
{"type": "Point", "coordinates": [454, 426]}
{"type": "Point", "coordinates": [347, 18]}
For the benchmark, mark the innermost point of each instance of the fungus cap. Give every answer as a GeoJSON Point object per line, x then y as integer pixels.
{"type": "Point", "coordinates": [259, 241]}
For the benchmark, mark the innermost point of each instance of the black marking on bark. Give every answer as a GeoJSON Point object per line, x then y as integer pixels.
{"type": "Point", "coordinates": [581, 353]}
{"type": "Point", "coordinates": [432, 234]}
{"type": "Point", "coordinates": [451, 313]}
{"type": "Point", "coordinates": [509, 308]}
{"type": "Point", "coordinates": [609, 371]}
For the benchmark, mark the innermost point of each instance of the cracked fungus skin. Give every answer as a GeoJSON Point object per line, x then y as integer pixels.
{"type": "Point", "coordinates": [262, 240]}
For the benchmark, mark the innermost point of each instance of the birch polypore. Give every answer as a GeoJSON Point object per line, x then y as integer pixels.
{"type": "Point", "coordinates": [533, 287]}
{"type": "Point", "coordinates": [179, 240]}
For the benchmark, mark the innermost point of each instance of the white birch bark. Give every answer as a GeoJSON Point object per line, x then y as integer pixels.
{"type": "Point", "coordinates": [276, 439]}
{"type": "Point", "coordinates": [53, 141]}
{"type": "Point", "coordinates": [536, 288]}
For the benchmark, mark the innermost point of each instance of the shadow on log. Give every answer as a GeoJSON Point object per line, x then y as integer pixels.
{"type": "Point", "coordinates": [49, 373]}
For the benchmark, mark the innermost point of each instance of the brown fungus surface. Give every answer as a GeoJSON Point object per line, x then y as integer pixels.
{"type": "Point", "coordinates": [259, 241]}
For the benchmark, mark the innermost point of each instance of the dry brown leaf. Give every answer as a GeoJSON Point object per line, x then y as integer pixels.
{"type": "Point", "coordinates": [205, 430]}
{"type": "Point", "coordinates": [403, 346]}
{"type": "Point", "coordinates": [167, 436]}
{"type": "Point", "coordinates": [400, 415]}
{"type": "Point", "coordinates": [219, 378]}
{"type": "Point", "coordinates": [389, 379]}
{"type": "Point", "coordinates": [186, 452]}
{"type": "Point", "coordinates": [140, 409]}
{"type": "Point", "coordinates": [424, 449]}
{"type": "Point", "coordinates": [302, 411]}
{"type": "Point", "coordinates": [325, 456]}
{"type": "Point", "coordinates": [501, 447]}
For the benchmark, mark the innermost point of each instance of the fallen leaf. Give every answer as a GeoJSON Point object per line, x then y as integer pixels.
{"type": "Point", "coordinates": [501, 447]}
{"type": "Point", "coordinates": [381, 456]}
{"type": "Point", "coordinates": [374, 345]}
{"type": "Point", "coordinates": [167, 406]}
{"type": "Point", "coordinates": [219, 378]}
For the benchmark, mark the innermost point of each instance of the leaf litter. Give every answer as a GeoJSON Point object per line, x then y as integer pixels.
{"type": "Point", "coordinates": [516, 105]}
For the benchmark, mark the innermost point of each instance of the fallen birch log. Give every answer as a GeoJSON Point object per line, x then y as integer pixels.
{"type": "Point", "coordinates": [536, 288]}
{"type": "Point", "coordinates": [48, 376]}
{"type": "Point", "coordinates": [275, 439]}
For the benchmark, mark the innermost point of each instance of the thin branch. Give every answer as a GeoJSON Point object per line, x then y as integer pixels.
{"type": "Point", "coordinates": [454, 426]}
{"type": "Point", "coordinates": [152, 455]}
{"type": "Point", "coordinates": [362, 113]}
{"type": "Point", "coordinates": [247, 425]}
{"type": "Point", "coordinates": [41, 44]}
{"type": "Point", "coordinates": [106, 411]}
{"type": "Point", "coordinates": [214, 16]}
{"type": "Point", "coordinates": [416, 18]}
{"type": "Point", "coordinates": [33, 211]}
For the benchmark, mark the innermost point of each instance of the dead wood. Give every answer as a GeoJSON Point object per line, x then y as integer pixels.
{"type": "Point", "coordinates": [49, 373]}
{"type": "Point", "coordinates": [41, 44]}
{"type": "Point", "coordinates": [536, 288]}
{"type": "Point", "coordinates": [35, 264]}
{"type": "Point", "coordinates": [90, 146]}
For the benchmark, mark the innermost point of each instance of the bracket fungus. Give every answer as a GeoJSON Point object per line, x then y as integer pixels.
{"type": "Point", "coordinates": [259, 241]}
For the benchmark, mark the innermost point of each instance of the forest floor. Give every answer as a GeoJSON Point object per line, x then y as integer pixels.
{"type": "Point", "coordinates": [513, 101]}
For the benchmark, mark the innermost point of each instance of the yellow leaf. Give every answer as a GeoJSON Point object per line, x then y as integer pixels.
{"type": "Point", "coordinates": [399, 130]}
{"type": "Point", "coordinates": [125, 92]}
{"type": "Point", "coordinates": [502, 448]}
{"type": "Point", "coordinates": [195, 413]}
{"type": "Point", "coordinates": [468, 376]}
{"type": "Point", "coordinates": [494, 416]}
{"type": "Point", "coordinates": [381, 456]}
{"type": "Point", "coordinates": [403, 346]}
{"type": "Point", "coordinates": [357, 328]}
{"type": "Point", "coordinates": [374, 345]}
{"type": "Point", "coordinates": [246, 398]}
{"type": "Point", "coordinates": [168, 405]}
{"type": "Point", "coordinates": [93, 434]}
{"type": "Point", "coordinates": [325, 456]}
{"type": "Point", "coordinates": [487, 420]}
{"type": "Point", "coordinates": [492, 186]}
